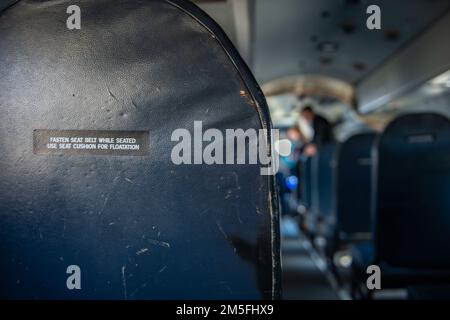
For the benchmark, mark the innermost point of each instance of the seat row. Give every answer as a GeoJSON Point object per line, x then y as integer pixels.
{"type": "Point", "coordinates": [384, 198]}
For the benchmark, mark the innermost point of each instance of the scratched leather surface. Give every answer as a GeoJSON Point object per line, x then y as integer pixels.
{"type": "Point", "coordinates": [138, 227]}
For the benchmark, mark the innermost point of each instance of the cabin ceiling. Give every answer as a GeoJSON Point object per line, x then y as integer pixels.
{"type": "Point", "coordinates": [292, 37]}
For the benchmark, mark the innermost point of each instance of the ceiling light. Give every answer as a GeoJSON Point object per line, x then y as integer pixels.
{"type": "Point", "coordinates": [328, 46]}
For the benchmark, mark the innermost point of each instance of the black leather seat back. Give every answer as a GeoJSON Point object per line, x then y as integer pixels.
{"type": "Point", "coordinates": [412, 200]}
{"type": "Point", "coordinates": [138, 225]}
{"type": "Point", "coordinates": [353, 185]}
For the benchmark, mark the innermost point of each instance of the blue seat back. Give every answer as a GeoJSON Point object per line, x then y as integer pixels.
{"type": "Point", "coordinates": [353, 185]}
{"type": "Point", "coordinates": [306, 180]}
{"type": "Point", "coordinates": [137, 224]}
{"type": "Point", "coordinates": [412, 202]}
{"type": "Point", "coordinates": [323, 176]}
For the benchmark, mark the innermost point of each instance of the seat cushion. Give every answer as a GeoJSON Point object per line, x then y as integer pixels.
{"type": "Point", "coordinates": [429, 292]}
{"type": "Point", "coordinates": [364, 255]}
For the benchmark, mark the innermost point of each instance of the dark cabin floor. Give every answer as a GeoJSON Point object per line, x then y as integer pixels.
{"type": "Point", "coordinates": [304, 273]}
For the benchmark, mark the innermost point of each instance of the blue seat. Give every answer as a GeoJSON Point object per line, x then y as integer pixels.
{"type": "Point", "coordinates": [305, 176]}
{"type": "Point", "coordinates": [364, 254]}
{"type": "Point", "coordinates": [351, 211]}
{"type": "Point", "coordinates": [353, 188]}
{"type": "Point", "coordinates": [138, 224]}
{"type": "Point", "coordinates": [429, 292]}
{"type": "Point", "coordinates": [410, 203]}
{"type": "Point", "coordinates": [322, 189]}
{"type": "Point", "coordinates": [324, 171]}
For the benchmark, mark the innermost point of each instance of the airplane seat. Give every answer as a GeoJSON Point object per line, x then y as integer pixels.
{"type": "Point", "coordinates": [352, 189]}
{"type": "Point", "coordinates": [325, 176]}
{"type": "Point", "coordinates": [410, 202]}
{"type": "Point", "coordinates": [92, 203]}
{"type": "Point", "coordinates": [322, 197]}
{"type": "Point", "coordinates": [363, 255]}
{"type": "Point", "coordinates": [298, 171]}
{"type": "Point", "coordinates": [305, 181]}
{"type": "Point", "coordinates": [429, 292]}
{"type": "Point", "coordinates": [312, 184]}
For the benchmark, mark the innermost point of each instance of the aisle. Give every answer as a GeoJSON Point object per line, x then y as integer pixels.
{"type": "Point", "coordinates": [303, 277]}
